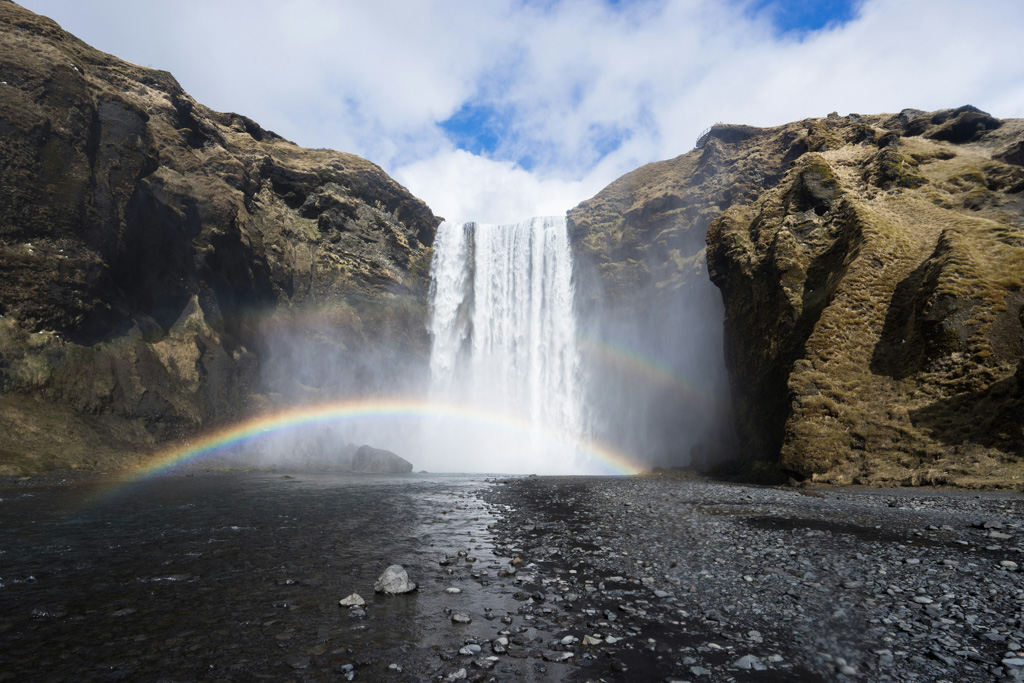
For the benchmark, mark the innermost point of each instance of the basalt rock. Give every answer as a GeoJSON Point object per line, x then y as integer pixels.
{"type": "Point", "coordinates": [370, 459]}
{"type": "Point", "coordinates": [393, 581]}
{"type": "Point", "coordinates": [167, 267]}
{"type": "Point", "coordinates": [871, 269]}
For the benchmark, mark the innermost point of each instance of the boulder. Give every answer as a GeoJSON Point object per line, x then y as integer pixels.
{"type": "Point", "coordinates": [370, 459]}
{"type": "Point", "coordinates": [393, 581]}
{"type": "Point", "coordinates": [354, 600]}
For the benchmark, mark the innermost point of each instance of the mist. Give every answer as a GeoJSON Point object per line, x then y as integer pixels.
{"type": "Point", "coordinates": [513, 362]}
{"type": "Point", "coordinates": [656, 381]}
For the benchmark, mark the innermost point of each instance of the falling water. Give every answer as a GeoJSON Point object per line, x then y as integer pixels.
{"type": "Point", "coordinates": [504, 341]}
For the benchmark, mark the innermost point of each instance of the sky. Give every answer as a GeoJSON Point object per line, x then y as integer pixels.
{"type": "Point", "coordinates": [499, 110]}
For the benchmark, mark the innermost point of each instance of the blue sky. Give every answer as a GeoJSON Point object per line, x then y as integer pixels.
{"type": "Point", "coordinates": [480, 128]}
{"type": "Point", "coordinates": [498, 110]}
{"type": "Point", "coordinates": [804, 16]}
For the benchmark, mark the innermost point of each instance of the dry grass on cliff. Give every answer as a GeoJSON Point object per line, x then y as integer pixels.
{"type": "Point", "coordinates": [854, 424]}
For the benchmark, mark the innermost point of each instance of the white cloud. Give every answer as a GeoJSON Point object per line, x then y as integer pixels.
{"type": "Point", "coordinates": [463, 187]}
{"type": "Point", "coordinates": [377, 78]}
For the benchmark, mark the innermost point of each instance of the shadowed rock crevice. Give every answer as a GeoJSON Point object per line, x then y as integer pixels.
{"type": "Point", "coordinates": [976, 423]}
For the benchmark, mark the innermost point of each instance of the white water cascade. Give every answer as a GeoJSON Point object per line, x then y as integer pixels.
{"type": "Point", "coordinates": [505, 349]}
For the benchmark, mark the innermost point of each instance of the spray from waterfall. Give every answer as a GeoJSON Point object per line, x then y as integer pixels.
{"type": "Point", "coordinates": [504, 339]}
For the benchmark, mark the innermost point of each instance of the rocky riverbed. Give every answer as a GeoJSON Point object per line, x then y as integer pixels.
{"type": "Point", "coordinates": [238, 576]}
{"type": "Point", "coordinates": [655, 579]}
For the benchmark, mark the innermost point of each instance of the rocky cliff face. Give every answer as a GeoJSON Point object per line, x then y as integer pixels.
{"type": "Point", "coordinates": [652, 319]}
{"type": "Point", "coordinates": [871, 270]}
{"type": "Point", "coordinates": [165, 265]}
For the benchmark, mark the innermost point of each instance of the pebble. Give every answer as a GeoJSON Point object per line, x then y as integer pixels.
{"type": "Point", "coordinates": [460, 618]}
{"type": "Point", "coordinates": [853, 573]}
{"type": "Point", "coordinates": [749, 662]}
{"type": "Point", "coordinates": [556, 656]}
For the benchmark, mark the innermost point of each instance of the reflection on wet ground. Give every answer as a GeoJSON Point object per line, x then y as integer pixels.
{"type": "Point", "coordinates": [238, 577]}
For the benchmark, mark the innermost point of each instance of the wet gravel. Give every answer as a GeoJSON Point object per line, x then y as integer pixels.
{"type": "Point", "coordinates": [660, 579]}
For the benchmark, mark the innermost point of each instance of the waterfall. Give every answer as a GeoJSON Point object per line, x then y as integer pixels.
{"type": "Point", "coordinates": [504, 341]}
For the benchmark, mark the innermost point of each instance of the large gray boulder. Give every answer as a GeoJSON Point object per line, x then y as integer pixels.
{"type": "Point", "coordinates": [394, 580]}
{"type": "Point", "coordinates": [370, 459]}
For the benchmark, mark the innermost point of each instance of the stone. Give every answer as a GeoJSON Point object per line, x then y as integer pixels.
{"type": "Point", "coordinates": [749, 662]}
{"type": "Point", "coordinates": [370, 459]}
{"type": "Point", "coordinates": [460, 618]}
{"type": "Point", "coordinates": [557, 656]}
{"type": "Point", "coordinates": [393, 581]}
{"type": "Point", "coordinates": [486, 663]}
{"type": "Point", "coordinates": [353, 600]}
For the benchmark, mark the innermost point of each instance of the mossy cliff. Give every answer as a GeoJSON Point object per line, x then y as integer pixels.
{"type": "Point", "coordinates": [163, 264]}
{"type": "Point", "coordinates": [871, 269]}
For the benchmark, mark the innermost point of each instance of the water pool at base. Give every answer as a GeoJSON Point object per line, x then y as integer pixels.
{"type": "Point", "coordinates": [237, 576]}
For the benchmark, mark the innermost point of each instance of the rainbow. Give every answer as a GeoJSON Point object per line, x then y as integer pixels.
{"type": "Point", "coordinates": [626, 360]}
{"type": "Point", "coordinates": [609, 461]}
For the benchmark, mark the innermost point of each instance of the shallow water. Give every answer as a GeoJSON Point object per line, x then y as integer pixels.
{"type": "Point", "coordinates": [238, 576]}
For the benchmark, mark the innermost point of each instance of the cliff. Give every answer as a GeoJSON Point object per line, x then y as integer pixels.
{"type": "Point", "coordinates": [870, 269]}
{"type": "Point", "coordinates": [165, 266]}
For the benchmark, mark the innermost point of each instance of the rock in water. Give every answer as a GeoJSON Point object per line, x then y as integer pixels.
{"type": "Point", "coordinates": [354, 600]}
{"type": "Point", "coordinates": [394, 580]}
{"type": "Point", "coordinates": [370, 459]}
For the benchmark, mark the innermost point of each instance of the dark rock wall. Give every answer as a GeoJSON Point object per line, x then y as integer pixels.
{"type": "Point", "coordinates": [165, 266]}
